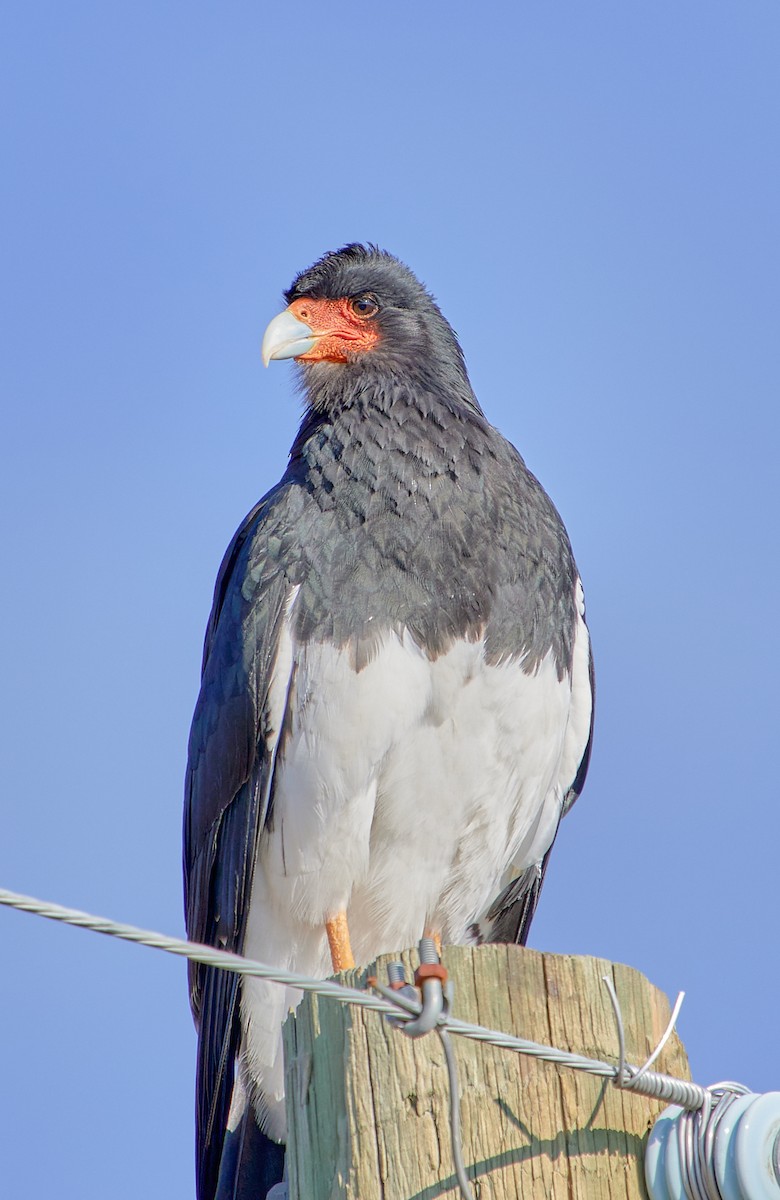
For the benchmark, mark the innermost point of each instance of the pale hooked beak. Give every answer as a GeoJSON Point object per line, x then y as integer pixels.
{"type": "Point", "coordinates": [287, 337]}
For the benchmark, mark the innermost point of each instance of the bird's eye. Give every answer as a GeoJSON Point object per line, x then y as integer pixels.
{"type": "Point", "coordinates": [364, 306]}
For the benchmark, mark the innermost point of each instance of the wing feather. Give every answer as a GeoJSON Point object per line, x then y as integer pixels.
{"type": "Point", "coordinates": [229, 773]}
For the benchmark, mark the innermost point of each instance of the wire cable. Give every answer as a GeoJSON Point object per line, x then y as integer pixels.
{"type": "Point", "coordinates": [649, 1083]}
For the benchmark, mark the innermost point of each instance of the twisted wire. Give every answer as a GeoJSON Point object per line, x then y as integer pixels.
{"type": "Point", "coordinates": [647, 1083]}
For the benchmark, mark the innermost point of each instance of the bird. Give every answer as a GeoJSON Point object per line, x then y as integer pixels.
{"type": "Point", "coordinates": [396, 700]}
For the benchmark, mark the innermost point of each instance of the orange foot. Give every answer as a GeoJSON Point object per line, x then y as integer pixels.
{"type": "Point", "coordinates": [338, 939]}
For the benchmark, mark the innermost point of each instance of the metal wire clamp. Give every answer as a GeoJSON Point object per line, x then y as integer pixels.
{"type": "Point", "coordinates": [426, 1016]}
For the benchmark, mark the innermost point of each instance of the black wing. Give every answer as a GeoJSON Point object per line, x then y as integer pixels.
{"type": "Point", "coordinates": [226, 796]}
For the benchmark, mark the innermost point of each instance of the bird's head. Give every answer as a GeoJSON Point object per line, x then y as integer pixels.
{"type": "Point", "coordinates": [359, 311]}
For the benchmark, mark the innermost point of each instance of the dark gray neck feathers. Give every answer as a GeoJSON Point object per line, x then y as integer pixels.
{"type": "Point", "coordinates": [401, 510]}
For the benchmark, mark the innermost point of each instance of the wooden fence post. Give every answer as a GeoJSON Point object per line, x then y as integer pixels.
{"type": "Point", "coordinates": [368, 1109]}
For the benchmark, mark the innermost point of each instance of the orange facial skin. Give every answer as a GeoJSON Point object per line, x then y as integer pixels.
{"type": "Point", "coordinates": [340, 331]}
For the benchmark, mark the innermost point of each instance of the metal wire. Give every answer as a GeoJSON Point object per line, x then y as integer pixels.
{"type": "Point", "coordinates": [648, 1083]}
{"type": "Point", "coordinates": [697, 1134]}
{"type": "Point", "coordinates": [455, 1138]}
{"type": "Point", "coordinates": [633, 1079]}
{"type": "Point", "coordinates": [194, 951]}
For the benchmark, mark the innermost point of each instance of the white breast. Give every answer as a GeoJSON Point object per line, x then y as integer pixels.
{"type": "Point", "coordinates": [402, 793]}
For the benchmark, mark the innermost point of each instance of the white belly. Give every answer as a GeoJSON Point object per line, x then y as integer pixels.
{"type": "Point", "coordinates": [402, 793]}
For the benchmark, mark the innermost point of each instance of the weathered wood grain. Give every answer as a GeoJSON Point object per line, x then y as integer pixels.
{"type": "Point", "coordinates": [368, 1108]}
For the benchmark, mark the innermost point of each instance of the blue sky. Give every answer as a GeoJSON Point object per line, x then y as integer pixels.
{"type": "Point", "coordinates": [592, 193]}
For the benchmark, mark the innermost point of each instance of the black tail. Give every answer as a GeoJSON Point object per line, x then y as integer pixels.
{"type": "Point", "coordinates": [251, 1163]}
{"type": "Point", "coordinates": [509, 917]}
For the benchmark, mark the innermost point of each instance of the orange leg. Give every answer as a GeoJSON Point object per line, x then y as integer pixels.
{"type": "Point", "coordinates": [338, 940]}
